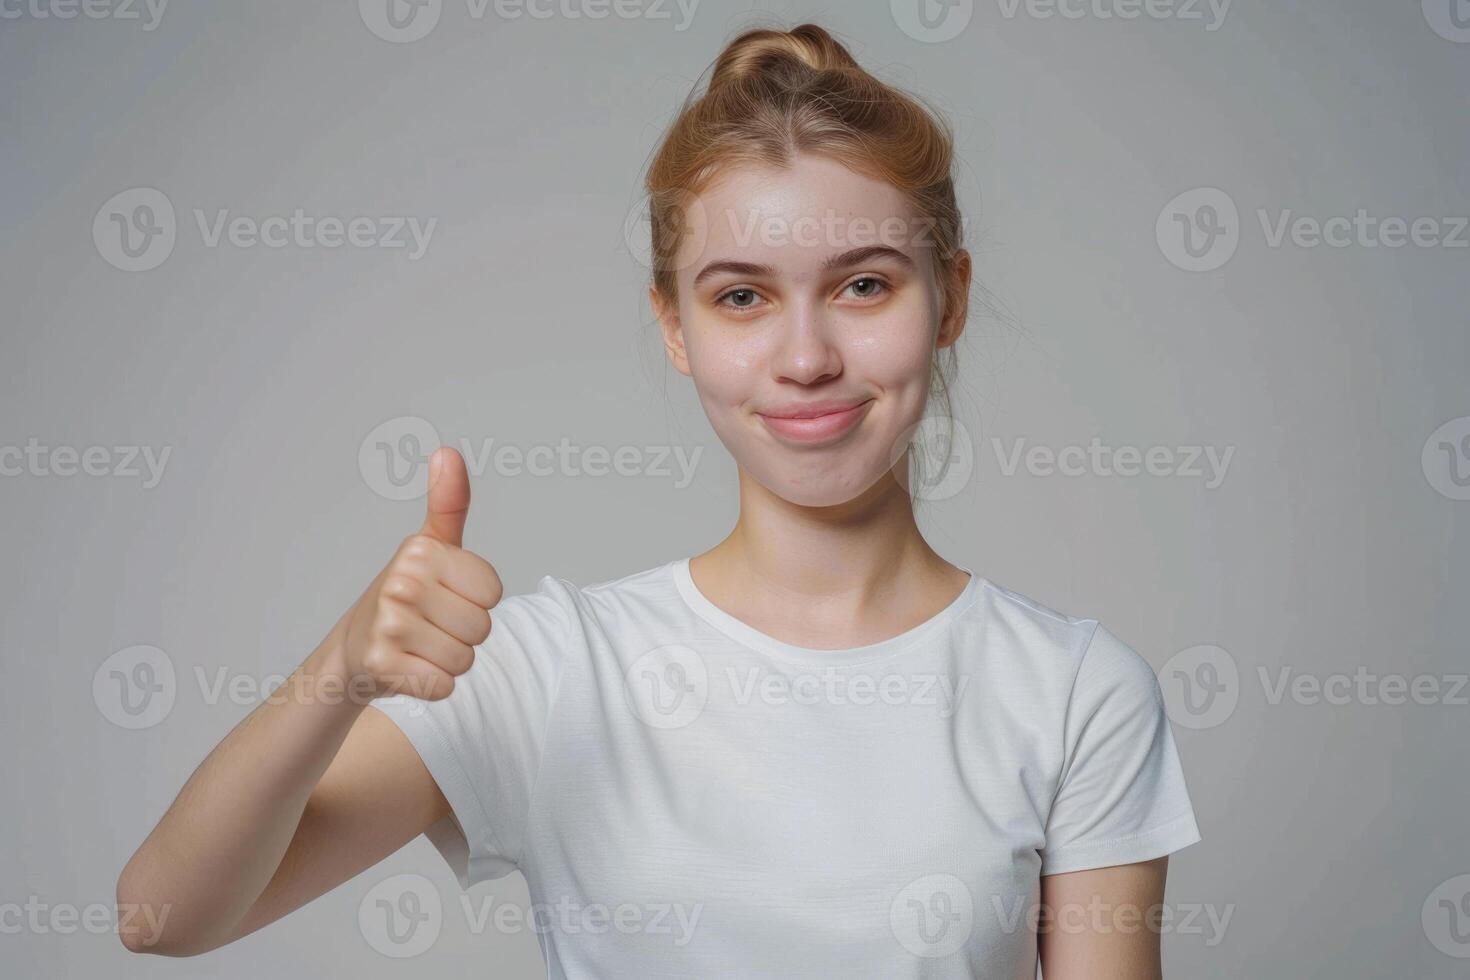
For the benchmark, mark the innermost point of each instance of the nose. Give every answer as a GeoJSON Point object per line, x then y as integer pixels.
{"type": "Point", "coordinates": [805, 351]}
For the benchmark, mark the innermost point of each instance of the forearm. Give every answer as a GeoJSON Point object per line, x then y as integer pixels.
{"type": "Point", "coordinates": [310, 789]}
{"type": "Point", "coordinates": [216, 848]}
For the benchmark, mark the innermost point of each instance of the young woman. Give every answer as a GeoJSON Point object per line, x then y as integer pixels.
{"type": "Point", "coordinates": [817, 749]}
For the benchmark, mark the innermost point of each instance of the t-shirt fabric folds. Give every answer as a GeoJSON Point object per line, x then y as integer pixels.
{"type": "Point", "coordinates": [687, 796]}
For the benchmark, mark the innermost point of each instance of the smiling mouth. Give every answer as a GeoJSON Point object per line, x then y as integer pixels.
{"type": "Point", "coordinates": [812, 429]}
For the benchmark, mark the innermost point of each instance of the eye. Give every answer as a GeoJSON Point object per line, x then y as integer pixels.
{"type": "Point", "coordinates": [745, 298]}
{"type": "Point", "coordinates": [873, 286]}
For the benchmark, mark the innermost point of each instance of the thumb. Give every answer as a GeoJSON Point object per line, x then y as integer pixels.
{"type": "Point", "coordinates": [449, 497]}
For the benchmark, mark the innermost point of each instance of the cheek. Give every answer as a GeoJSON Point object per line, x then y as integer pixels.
{"type": "Point", "coordinates": [725, 367]}
{"type": "Point", "coordinates": [895, 353]}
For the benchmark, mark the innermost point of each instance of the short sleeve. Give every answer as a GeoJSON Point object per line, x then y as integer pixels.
{"type": "Point", "coordinates": [483, 743]}
{"type": "Point", "coordinates": [1121, 796]}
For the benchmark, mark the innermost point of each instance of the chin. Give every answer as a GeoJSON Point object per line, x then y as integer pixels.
{"type": "Point", "coordinates": [816, 487]}
{"type": "Point", "coordinates": [833, 499]}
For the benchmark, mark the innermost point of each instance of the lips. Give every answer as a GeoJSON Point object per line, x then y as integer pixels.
{"type": "Point", "coordinates": [817, 422]}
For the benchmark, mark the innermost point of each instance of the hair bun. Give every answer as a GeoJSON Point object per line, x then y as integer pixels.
{"type": "Point", "coordinates": [764, 52]}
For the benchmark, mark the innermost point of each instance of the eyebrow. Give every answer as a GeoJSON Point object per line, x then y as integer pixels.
{"type": "Point", "coordinates": [851, 257]}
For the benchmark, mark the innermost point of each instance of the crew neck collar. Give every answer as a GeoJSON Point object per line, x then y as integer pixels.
{"type": "Point", "coordinates": [753, 638]}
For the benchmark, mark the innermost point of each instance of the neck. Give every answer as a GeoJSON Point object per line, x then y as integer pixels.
{"type": "Point", "coordinates": [854, 559]}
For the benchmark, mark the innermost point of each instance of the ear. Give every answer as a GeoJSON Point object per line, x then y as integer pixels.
{"type": "Point", "coordinates": [672, 330]}
{"type": "Point", "coordinates": [956, 291]}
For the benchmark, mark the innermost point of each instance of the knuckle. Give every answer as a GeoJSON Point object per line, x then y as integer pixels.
{"type": "Point", "coordinates": [376, 661]}
{"type": "Point", "coordinates": [402, 586]}
{"type": "Point", "coordinates": [482, 627]}
{"type": "Point", "coordinates": [492, 586]}
{"type": "Point", "coordinates": [419, 547]}
{"type": "Point", "coordinates": [392, 624]}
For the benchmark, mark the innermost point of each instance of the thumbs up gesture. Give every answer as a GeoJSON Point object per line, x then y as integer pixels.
{"type": "Point", "coordinates": [415, 628]}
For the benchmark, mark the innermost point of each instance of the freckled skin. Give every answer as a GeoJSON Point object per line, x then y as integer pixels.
{"type": "Point", "coordinates": [803, 334]}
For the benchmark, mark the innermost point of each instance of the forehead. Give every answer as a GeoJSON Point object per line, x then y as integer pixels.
{"type": "Point", "coordinates": [794, 218]}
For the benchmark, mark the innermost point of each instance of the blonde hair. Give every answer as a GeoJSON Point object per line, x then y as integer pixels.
{"type": "Point", "coordinates": [775, 94]}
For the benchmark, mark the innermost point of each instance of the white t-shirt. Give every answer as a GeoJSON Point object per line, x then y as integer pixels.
{"type": "Point", "coordinates": [689, 797]}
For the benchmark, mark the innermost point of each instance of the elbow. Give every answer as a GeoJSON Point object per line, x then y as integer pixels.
{"type": "Point", "coordinates": [143, 922]}
{"type": "Point", "coordinates": [144, 936]}
{"type": "Point", "coordinates": [135, 941]}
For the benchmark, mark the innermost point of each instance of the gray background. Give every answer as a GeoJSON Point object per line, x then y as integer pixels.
{"type": "Point", "coordinates": [1326, 549]}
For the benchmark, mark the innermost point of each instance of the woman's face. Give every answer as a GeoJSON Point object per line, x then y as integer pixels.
{"type": "Point", "coordinates": [808, 316]}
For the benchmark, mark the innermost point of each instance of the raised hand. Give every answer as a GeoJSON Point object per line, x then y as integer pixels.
{"type": "Point", "coordinates": [415, 628]}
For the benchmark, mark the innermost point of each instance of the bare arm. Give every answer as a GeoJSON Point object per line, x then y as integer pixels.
{"type": "Point", "coordinates": [312, 788]}
{"type": "Point", "coordinates": [1102, 924]}
{"type": "Point", "coordinates": [273, 818]}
